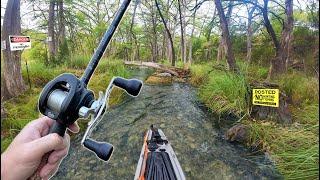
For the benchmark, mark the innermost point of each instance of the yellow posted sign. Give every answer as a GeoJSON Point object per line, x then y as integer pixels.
{"type": "Point", "coordinates": [265, 97]}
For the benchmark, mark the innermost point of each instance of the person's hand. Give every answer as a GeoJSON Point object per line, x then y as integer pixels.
{"type": "Point", "coordinates": [23, 156]}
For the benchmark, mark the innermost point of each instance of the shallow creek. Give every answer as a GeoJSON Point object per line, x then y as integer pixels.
{"type": "Point", "coordinates": [199, 145]}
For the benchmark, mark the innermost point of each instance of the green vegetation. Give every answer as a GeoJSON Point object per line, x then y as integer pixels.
{"type": "Point", "coordinates": [23, 109]}
{"type": "Point", "coordinates": [293, 148]}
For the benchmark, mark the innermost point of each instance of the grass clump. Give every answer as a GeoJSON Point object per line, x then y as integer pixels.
{"type": "Point", "coordinates": [78, 61]}
{"type": "Point", "coordinates": [225, 93]}
{"type": "Point", "coordinates": [39, 73]}
{"type": "Point", "coordinates": [199, 74]}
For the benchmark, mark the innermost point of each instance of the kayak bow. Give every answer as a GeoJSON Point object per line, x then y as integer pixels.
{"type": "Point", "coordinates": [157, 159]}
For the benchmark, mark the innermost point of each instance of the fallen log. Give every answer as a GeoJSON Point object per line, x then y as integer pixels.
{"type": "Point", "coordinates": [152, 65]}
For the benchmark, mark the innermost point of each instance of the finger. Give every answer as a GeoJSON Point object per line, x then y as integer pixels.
{"type": "Point", "coordinates": [48, 170]}
{"type": "Point", "coordinates": [53, 172]}
{"type": "Point", "coordinates": [48, 143]}
{"type": "Point", "coordinates": [55, 156]}
{"type": "Point", "coordinates": [59, 154]}
{"type": "Point", "coordinates": [42, 124]}
{"type": "Point", "coordinates": [74, 127]}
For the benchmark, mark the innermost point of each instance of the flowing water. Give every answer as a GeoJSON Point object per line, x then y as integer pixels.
{"type": "Point", "coordinates": [200, 147]}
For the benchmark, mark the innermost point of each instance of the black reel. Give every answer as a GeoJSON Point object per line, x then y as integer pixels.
{"type": "Point", "coordinates": [66, 98]}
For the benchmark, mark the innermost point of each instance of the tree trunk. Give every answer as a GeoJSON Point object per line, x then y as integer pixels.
{"type": "Point", "coordinates": [226, 36]}
{"type": "Point", "coordinates": [250, 33]}
{"type": "Point", "coordinates": [133, 35]}
{"type": "Point", "coordinates": [51, 35]}
{"type": "Point", "coordinates": [12, 82]}
{"type": "Point", "coordinates": [222, 49]}
{"type": "Point", "coordinates": [192, 31]}
{"type": "Point", "coordinates": [182, 27]}
{"type": "Point", "coordinates": [278, 64]}
{"type": "Point", "coordinates": [62, 29]}
{"type": "Point", "coordinates": [173, 56]}
{"type": "Point", "coordinates": [287, 36]}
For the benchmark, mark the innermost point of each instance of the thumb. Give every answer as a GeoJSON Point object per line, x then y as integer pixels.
{"type": "Point", "coordinates": [47, 143]}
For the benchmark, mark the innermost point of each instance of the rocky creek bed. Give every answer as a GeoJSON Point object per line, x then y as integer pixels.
{"type": "Point", "coordinates": [200, 147]}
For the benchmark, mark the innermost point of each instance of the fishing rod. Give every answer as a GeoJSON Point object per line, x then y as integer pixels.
{"type": "Point", "coordinates": [67, 98]}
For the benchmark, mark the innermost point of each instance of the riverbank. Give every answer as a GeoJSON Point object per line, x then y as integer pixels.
{"type": "Point", "coordinates": [294, 147]}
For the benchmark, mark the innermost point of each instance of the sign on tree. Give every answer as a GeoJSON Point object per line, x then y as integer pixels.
{"type": "Point", "coordinates": [19, 42]}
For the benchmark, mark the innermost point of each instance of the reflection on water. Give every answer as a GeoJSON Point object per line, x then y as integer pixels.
{"type": "Point", "coordinates": [200, 148]}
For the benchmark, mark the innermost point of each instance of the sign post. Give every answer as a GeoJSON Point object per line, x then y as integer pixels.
{"type": "Point", "coordinates": [265, 97]}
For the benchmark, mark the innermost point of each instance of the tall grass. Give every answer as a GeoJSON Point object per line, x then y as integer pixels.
{"type": "Point", "coordinates": [78, 61]}
{"type": "Point", "coordinates": [39, 73]}
{"type": "Point", "coordinates": [224, 93]}
{"type": "Point", "coordinates": [199, 74]}
{"type": "Point", "coordinates": [294, 149]}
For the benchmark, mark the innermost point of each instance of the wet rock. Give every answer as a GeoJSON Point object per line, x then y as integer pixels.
{"type": "Point", "coordinates": [237, 133]}
{"type": "Point", "coordinates": [155, 79]}
{"type": "Point", "coordinates": [164, 75]}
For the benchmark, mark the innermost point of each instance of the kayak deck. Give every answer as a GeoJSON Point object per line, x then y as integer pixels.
{"type": "Point", "coordinates": [157, 159]}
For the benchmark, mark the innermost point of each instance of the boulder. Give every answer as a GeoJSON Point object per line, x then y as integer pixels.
{"type": "Point", "coordinates": [237, 133]}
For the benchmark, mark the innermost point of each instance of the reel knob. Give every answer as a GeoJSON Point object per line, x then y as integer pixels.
{"type": "Point", "coordinates": [101, 149]}
{"type": "Point", "coordinates": [132, 86]}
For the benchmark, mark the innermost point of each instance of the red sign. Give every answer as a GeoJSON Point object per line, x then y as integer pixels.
{"type": "Point", "coordinates": [19, 39]}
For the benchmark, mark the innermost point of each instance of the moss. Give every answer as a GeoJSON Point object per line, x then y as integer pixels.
{"type": "Point", "coordinates": [20, 111]}
{"type": "Point", "coordinates": [159, 80]}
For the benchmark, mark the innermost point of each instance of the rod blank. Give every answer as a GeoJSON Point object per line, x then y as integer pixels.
{"type": "Point", "coordinates": [104, 43]}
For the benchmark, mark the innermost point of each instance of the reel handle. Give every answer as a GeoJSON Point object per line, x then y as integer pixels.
{"type": "Point", "coordinates": [101, 149]}
{"type": "Point", "coordinates": [132, 86]}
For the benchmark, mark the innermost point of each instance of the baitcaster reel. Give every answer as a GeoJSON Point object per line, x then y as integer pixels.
{"type": "Point", "coordinates": [66, 99]}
